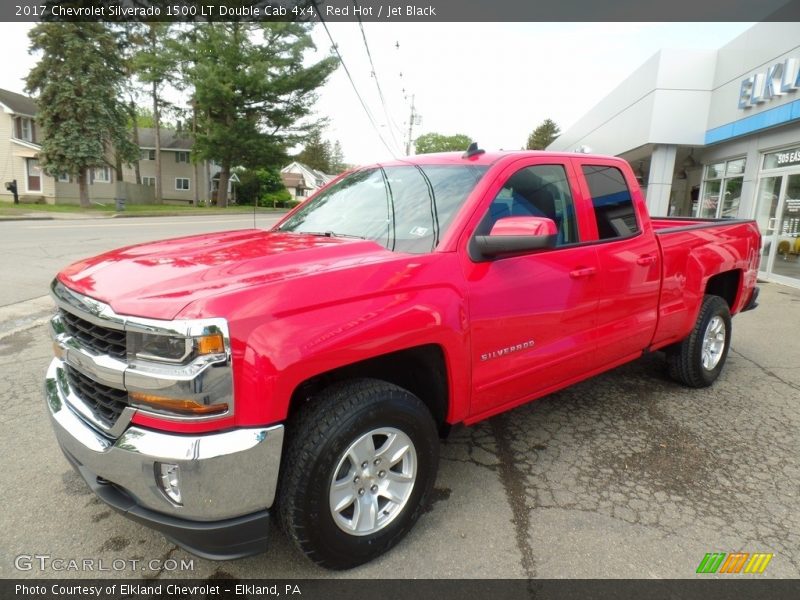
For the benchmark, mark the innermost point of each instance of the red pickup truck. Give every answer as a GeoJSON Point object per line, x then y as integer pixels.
{"type": "Point", "coordinates": [204, 384]}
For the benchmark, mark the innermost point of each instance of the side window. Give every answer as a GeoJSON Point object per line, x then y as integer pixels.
{"type": "Point", "coordinates": [538, 191]}
{"type": "Point", "coordinates": [611, 198]}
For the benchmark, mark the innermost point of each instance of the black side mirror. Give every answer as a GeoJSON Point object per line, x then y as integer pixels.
{"type": "Point", "coordinates": [514, 235]}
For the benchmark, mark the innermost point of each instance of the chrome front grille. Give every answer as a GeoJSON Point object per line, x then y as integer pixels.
{"type": "Point", "coordinates": [95, 377]}
{"type": "Point", "coordinates": [100, 340]}
{"type": "Point", "coordinates": [106, 403]}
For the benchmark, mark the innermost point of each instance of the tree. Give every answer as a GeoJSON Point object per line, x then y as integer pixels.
{"type": "Point", "coordinates": [544, 135]}
{"type": "Point", "coordinates": [436, 142]}
{"type": "Point", "coordinates": [322, 154]}
{"type": "Point", "coordinates": [257, 184]}
{"type": "Point", "coordinates": [252, 92]}
{"type": "Point", "coordinates": [316, 153]}
{"type": "Point", "coordinates": [79, 81]}
{"type": "Point", "coordinates": [337, 159]}
{"type": "Point", "coordinates": [154, 62]}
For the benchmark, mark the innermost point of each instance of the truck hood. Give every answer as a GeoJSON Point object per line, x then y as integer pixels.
{"type": "Point", "coordinates": [157, 280]}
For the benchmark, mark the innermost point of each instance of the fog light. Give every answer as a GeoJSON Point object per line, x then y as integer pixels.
{"type": "Point", "coordinates": [168, 479]}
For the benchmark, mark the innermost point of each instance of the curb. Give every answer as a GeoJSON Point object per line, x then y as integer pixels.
{"type": "Point", "coordinates": [48, 218]}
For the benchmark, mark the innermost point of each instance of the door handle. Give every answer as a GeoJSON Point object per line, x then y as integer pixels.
{"type": "Point", "coordinates": [646, 259]}
{"type": "Point", "coordinates": [582, 272]}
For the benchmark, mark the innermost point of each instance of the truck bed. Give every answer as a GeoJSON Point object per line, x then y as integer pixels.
{"type": "Point", "coordinates": [693, 251]}
{"type": "Point", "coordinates": [673, 224]}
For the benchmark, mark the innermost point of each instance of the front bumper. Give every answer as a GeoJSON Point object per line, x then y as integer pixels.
{"type": "Point", "coordinates": [227, 479]}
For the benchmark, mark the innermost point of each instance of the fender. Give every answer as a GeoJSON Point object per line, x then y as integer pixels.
{"type": "Point", "coordinates": [285, 333]}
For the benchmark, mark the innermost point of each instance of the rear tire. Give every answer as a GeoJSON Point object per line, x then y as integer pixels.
{"type": "Point", "coordinates": [697, 361]}
{"type": "Point", "coordinates": [358, 468]}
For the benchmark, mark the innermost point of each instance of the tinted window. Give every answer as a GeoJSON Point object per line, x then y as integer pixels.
{"type": "Point", "coordinates": [538, 191]}
{"type": "Point", "coordinates": [611, 198]}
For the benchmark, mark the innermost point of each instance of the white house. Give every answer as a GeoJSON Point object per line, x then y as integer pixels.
{"type": "Point", "coordinates": [302, 181]}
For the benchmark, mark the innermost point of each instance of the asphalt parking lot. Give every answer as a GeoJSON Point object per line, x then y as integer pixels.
{"type": "Point", "coordinates": [627, 475]}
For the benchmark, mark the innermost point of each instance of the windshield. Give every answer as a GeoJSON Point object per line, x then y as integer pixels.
{"type": "Point", "coordinates": [405, 208]}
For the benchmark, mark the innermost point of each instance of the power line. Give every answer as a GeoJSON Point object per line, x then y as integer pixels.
{"type": "Point", "coordinates": [375, 75]}
{"type": "Point", "coordinates": [355, 89]}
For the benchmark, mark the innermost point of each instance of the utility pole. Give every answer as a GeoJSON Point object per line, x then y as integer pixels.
{"type": "Point", "coordinates": [413, 119]}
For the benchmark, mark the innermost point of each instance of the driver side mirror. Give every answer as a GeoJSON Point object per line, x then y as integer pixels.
{"type": "Point", "coordinates": [516, 235]}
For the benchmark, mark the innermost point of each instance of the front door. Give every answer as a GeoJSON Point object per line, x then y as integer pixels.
{"type": "Point", "coordinates": [532, 316]}
{"type": "Point", "coordinates": [778, 217]}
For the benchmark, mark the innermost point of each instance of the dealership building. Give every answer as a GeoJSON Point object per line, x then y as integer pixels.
{"type": "Point", "coordinates": [715, 134]}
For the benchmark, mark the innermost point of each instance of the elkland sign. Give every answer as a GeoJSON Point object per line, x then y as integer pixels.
{"type": "Point", "coordinates": [779, 79]}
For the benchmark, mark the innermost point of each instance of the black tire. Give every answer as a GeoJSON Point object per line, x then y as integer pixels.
{"type": "Point", "coordinates": [685, 360]}
{"type": "Point", "coordinates": [317, 438]}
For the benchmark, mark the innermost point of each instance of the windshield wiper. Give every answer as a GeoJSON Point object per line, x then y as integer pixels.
{"type": "Point", "coordinates": [331, 234]}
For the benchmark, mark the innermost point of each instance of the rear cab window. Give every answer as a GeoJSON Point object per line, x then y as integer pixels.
{"type": "Point", "coordinates": [612, 202]}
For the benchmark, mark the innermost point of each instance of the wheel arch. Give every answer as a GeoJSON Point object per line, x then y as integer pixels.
{"type": "Point", "coordinates": [726, 285]}
{"type": "Point", "coordinates": [422, 370]}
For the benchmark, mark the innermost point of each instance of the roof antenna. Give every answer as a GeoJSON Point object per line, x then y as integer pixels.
{"type": "Point", "coordinates": [473, 150]}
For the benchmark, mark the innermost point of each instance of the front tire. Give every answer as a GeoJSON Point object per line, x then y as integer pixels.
{"type": "Point", "coordinates": [360, 462]}
{"type": "Point", "coordinates": [697, 361]}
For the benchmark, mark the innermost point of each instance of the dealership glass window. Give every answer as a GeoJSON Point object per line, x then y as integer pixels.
{"type": "Point", "coordinates": [783, 158]}
{"type": "Point", "coordinates": [722, 190]}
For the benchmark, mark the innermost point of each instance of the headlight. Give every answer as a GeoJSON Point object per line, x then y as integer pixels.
{"type": "Point", "coordinates": [176, 375]}
{"type": "Point", "coordinates": [174, 350]}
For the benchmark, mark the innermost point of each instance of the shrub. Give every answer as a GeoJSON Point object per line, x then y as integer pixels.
{"type": "Point", "coordinates": [275, 199]}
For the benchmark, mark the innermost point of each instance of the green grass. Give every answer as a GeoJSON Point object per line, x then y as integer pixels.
{"type": "Point", "coordinates": [7, 209]}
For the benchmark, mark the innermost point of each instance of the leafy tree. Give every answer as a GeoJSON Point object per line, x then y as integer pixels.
{"type": "Point", "coordinates": [144, 118]}
{"type": "Point", "coordinates": [436, 142]}
{"type": "Point", "coordinates": [79, 80]}
{"type": "Point", "coordinates": [252, 92]}
{"type": "Point", "coordinates": [255, 184]}
{"type": "Point", "coordinates": [277, 199]}
{"type": "Point", "coordinates": [544, 135]}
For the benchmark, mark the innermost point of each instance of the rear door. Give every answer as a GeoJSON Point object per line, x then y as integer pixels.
{"type": "Point", "coordinates": [628, 257]}
{"type": "Point", "coordinates": [532, 316]}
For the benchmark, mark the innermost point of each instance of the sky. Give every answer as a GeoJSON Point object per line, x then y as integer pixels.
{"type": "Point", "coordinates": [494, 82]}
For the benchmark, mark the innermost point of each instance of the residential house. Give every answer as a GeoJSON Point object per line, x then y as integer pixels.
{"type": "Point", "coordinates": [183, 180]}
{"type": "Point", "coordinates": [19, 150]}
{"type": "Point", "coordinates": [302, 181]}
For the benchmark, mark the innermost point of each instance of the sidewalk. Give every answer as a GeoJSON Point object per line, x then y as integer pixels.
{"type": "Point", "coordinates": [50, 216]}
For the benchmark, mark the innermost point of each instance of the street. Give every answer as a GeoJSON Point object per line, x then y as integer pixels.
{"type": "Point", "coordinates": [34, 251]}
{"type": "Point", "coordinates": [627, 475]}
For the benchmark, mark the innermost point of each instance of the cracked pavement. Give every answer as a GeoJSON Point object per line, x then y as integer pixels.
{"type": "Point", "coordinates": [625, 475]}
